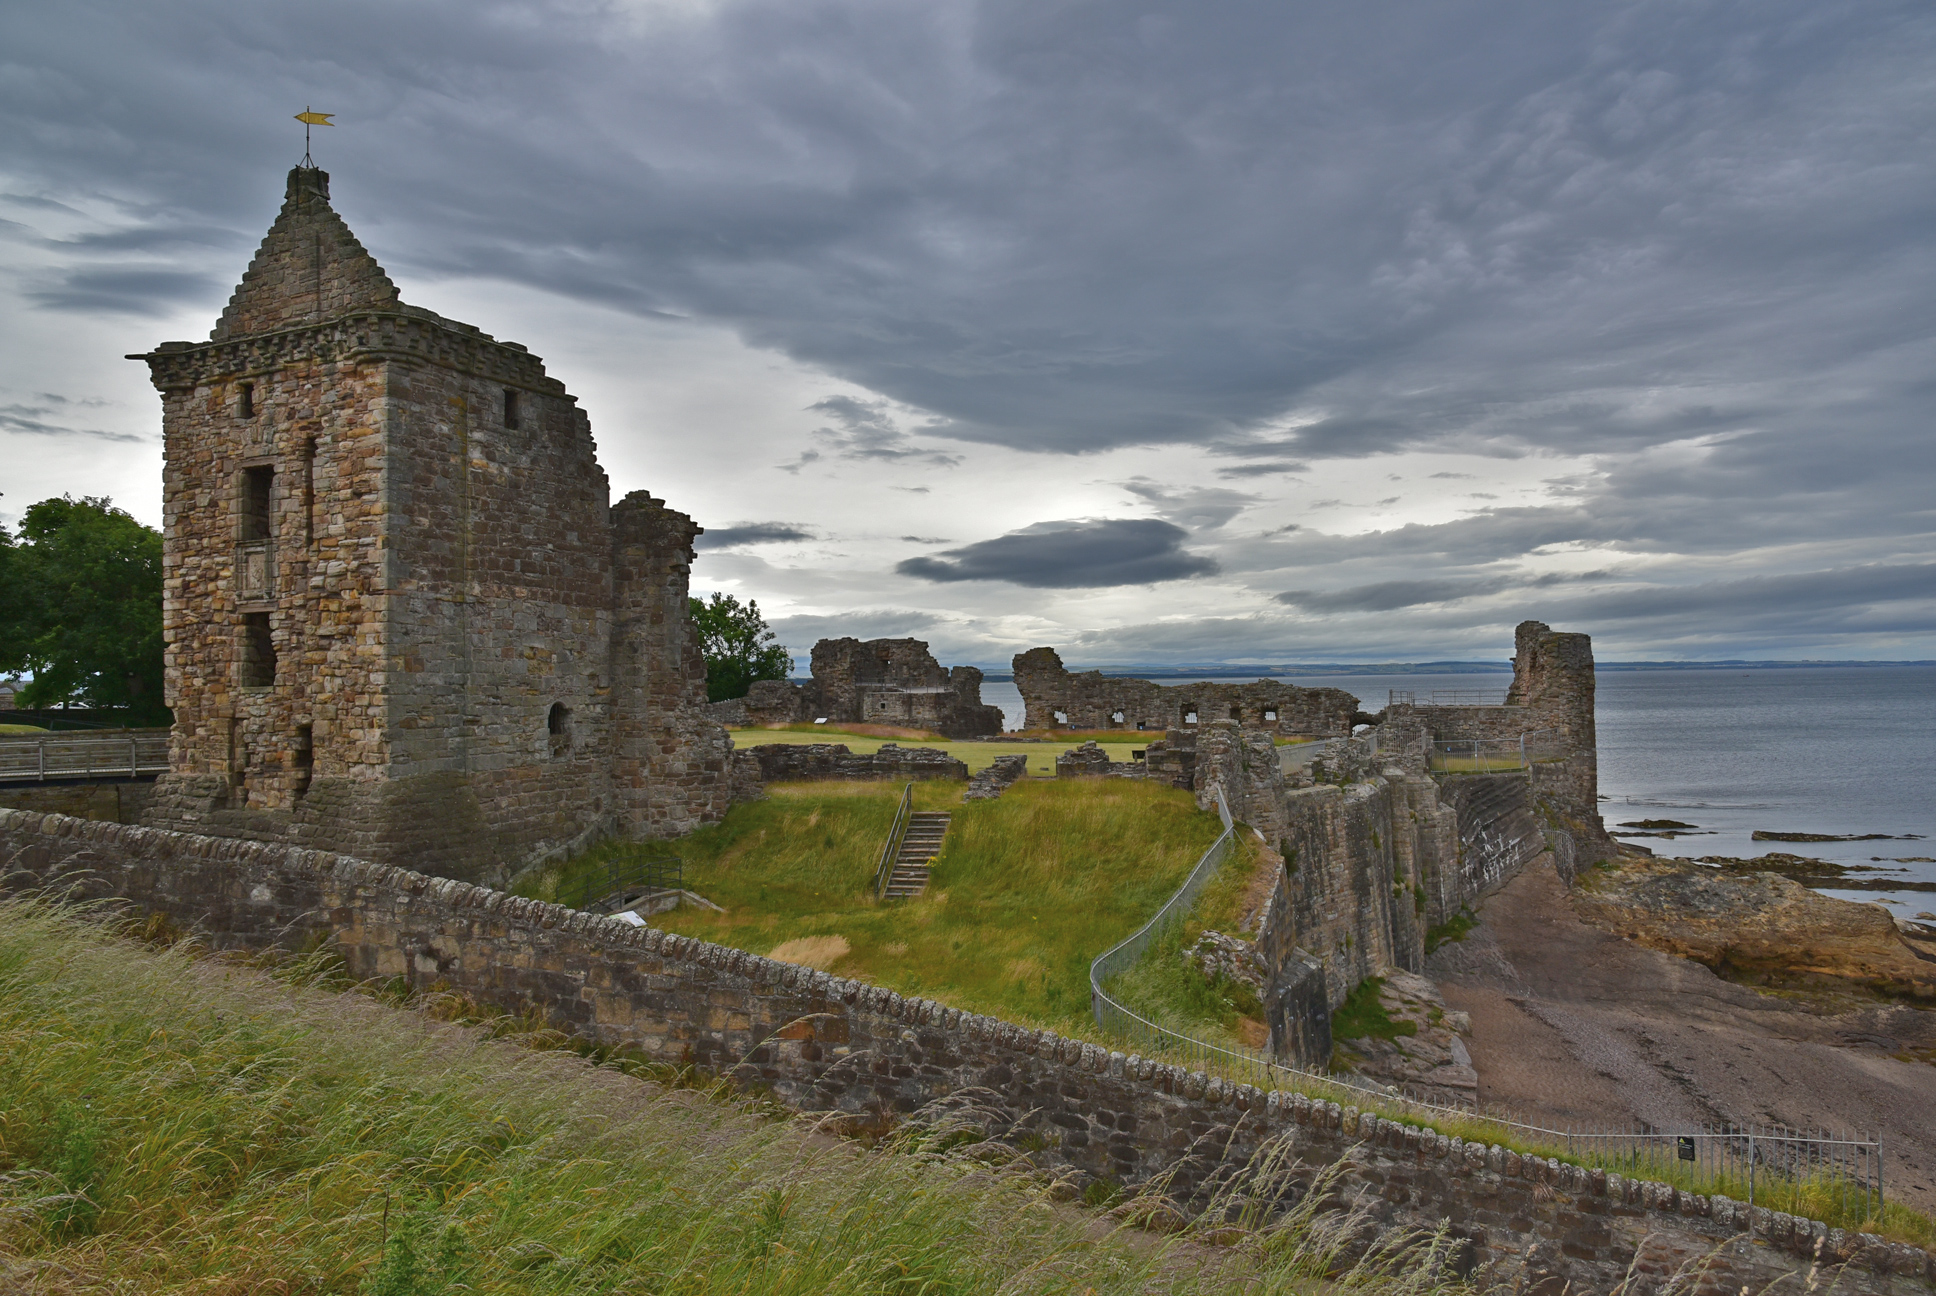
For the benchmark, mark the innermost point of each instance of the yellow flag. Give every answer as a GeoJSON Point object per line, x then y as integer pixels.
{"type": "Point", "coordinates": [315, 118]}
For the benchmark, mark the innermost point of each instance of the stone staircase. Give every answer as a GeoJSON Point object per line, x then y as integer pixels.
{"type": "Point", "coordinates": [922, 843]}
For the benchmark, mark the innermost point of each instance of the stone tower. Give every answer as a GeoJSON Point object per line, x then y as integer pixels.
{"type": "Point", "coordinates": [403, 621]}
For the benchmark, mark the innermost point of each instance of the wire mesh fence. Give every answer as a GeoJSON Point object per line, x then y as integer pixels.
{"type": "Point", "coordinates": [1447, 697]}
{"type": "Point", "coordinates": [624, 880]}
{"type": "Point", "coordinates": [124, 754]}
{"type": "Point", "coordinates": [1819, 1174]}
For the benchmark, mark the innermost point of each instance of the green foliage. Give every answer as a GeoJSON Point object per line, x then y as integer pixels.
{"type": "Point", "coordinates": [80, 607]}
{"type": "Point", "coordinates": [738, 648]}
{"type": "Point", "coordinates": [1452, 930]}
{"type": "Point", "coordinates": [407, 1268]}
{"type": "Point", "coordinates": [1362, 1016]}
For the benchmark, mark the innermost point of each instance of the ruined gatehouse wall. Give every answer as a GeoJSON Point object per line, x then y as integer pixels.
{"type": "Point", "coordinates": [1551, 704]}
{"type": "Point", "coordinates": [1055, 698]}
{"type": "Point", "coordinates": [870, 1058]}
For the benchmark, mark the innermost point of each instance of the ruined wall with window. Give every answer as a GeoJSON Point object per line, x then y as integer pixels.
{"type": "Point", "coordinates": [877, 681]}
{"type": "Point", "coordinates": [403, 619]}
{"type": "Point", "coordinates": [1058, 699]}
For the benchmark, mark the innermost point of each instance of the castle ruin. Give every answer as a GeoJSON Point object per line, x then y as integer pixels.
{"type": "Point", "coordinates": [404, 621]}
{"type": "Point", "coordinates": [880, 681]}
{"type": "Point", "coordinates": [1056, 698]}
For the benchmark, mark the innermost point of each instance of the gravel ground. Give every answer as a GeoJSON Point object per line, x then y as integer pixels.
{"type": "Point", "coordinates": [1574, 1025]}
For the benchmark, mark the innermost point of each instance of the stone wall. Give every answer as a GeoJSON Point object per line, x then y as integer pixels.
{"type": "Point", "coordinates": [813, 762]}
{"type": "Point", "coordinates": [893, 682]}
{"type": "Point", "coordinates": [871, 1058]}
{"type": "Point", "coordinates": [1057, 699]}
{"type": "Point", "coordinates": [1370, 862]}
{"type": "Point", "coordinates": [122, 801]}
{"type": "Point", "coordinates": [401, 620]}
{"type": "Point", "coordinates": [1552, 695]}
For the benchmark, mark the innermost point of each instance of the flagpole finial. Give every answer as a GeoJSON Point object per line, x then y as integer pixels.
{"type": "Point", "coordinates": [309, 117]}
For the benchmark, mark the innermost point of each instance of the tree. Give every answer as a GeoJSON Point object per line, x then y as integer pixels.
{"type": "Point", "coordinates": [738, 648]}
{"type": "Point", "coordinates": [80, 607]}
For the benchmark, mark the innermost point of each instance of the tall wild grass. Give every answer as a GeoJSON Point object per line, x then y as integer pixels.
{"type": "Point", "coordinates": [175, 1124]}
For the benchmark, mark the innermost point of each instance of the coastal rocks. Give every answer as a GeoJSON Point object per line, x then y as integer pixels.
{"type": "Point", "coordinates": [1429, 1060]}
{"type": "Point", "coordinates": [1758, 928]}
{"type": "Point", "coordinates": [1818, 872]}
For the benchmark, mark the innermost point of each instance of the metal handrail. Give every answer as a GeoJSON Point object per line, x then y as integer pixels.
{"type": "Point", "coordinates": [84, 755]}
{"type": "Point", "coordinates": [884, 871]}
{"type": "Point", "coordinates": [640, 870]}
{"type": "Point", "coordinates": [1853, 1161]}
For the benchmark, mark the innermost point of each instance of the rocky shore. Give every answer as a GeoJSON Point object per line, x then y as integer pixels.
{"type": "Point", "coordinates": [1758, 927]}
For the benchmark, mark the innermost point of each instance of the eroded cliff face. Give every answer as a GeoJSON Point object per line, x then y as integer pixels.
{"type": "Point", "coordinates": [1761, 928]}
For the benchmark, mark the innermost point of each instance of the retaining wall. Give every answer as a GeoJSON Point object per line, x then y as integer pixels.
{"type": "Point", "coordinates": [824, 1044]}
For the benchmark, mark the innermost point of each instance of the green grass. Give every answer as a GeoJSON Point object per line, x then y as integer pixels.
{"type": "Point", "coordinates": [177, 1124]}
{"type": "Point", "coordinates": [1165, 988]}
{"type": "Point", "coordinates": [1452, 930]}
{"type": "Point", "coordinates": [1027, 891]}
{"type": "Point", "coordinates": [1363, 1016]}
{"type": "Point", "coordinates": [21, 729]}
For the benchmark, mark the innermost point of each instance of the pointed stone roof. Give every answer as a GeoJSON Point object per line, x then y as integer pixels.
{"type": "Point", "coordinates": [310, 268]}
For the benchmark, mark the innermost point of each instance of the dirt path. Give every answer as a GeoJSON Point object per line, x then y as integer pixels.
{"type": "Point", "coordinates": [1572, 1024]}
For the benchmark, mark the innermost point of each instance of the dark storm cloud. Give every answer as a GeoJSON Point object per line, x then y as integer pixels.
{"type": "Point", "coordinates": [751, 533]}
{"type": "Point", "coordinates": [1687, 241]}
{"type": "Point", "coordinates": [1388, 596]}
{"type": "Point", "coordinates": [1085, 554]}
{"type": "Point", "coordinates": [34, 420]}
{"type": "Point", "coordinates": [123, 289]}
{"type": "Point", "coordinates": [1313, 201]}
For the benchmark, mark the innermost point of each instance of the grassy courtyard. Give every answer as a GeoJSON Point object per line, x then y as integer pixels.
{"type": "Point", "coordinates": [1026, 892]}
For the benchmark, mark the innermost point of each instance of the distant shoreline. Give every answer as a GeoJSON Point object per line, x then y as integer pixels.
{"type": "Point", "coordinates": [1434, 668]}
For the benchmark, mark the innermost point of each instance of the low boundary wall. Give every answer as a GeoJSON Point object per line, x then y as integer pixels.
{"type": "Point", "coordinates": [821, 1043]}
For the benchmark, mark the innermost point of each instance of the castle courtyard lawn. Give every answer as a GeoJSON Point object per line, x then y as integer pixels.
{"type": "Point", "coordinates": [1027, 891]}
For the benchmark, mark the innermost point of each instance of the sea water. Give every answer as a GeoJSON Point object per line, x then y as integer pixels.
{"type": "Point", "coordinates": [1841, 751]}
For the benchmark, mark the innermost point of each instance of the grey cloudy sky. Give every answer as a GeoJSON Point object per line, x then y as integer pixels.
{"type": "Point", "coordinates": [1189, 332]}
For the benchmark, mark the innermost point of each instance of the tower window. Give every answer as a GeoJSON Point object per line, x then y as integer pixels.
{"type": "Point", "coordinates": [305, 759]}
{"type": "Point", "coordinates": [309, 491]}
{"type": "Point", "coordinates": [558, 729]}
{"type": "Point", "coordinates": [258, 651]}
{"type": "Point", "coordinates": [258, 486]}
{"type": "Point", "coordinates": [510, 408]}
{"type": "Point", "coordinates": [245, 401]}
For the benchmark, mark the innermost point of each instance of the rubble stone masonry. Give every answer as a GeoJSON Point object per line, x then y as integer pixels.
{"type": "Point", "coordinates": [1057, 699]}
{"type": "Point", "coordinates": [401, 620]}
{"type": "Point", "coordinates": [871, 1058]}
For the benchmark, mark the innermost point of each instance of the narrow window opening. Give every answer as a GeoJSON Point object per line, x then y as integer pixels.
{"type": "Point", "coordinates": [1189, 715]}
{"type": "Point", "coordinates": [1116, 717]}
{"type": "Point", "coordinates": [258, 487]}
{"type": "Point", "coordinates": [309, 491]}
{"type": "Point", "coordinates": [1062, 717]}
{"type": "Point", "coordinates": [305, 759]}
{"type": "Point", "coordinates": [510, 408]}
{"type": "Point", "coordinates": [1236, 713]}
{"type": "Point", "coordinates": [245, 401]}
{"type": "Point", "coordinates": [1142, 724]}
{"type": "Point", "coordinates": [1270, 716]}
{"type": "Point", "coordinates": [558, 729]}
{"type": "Point", "coordinates": [258, 651]}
